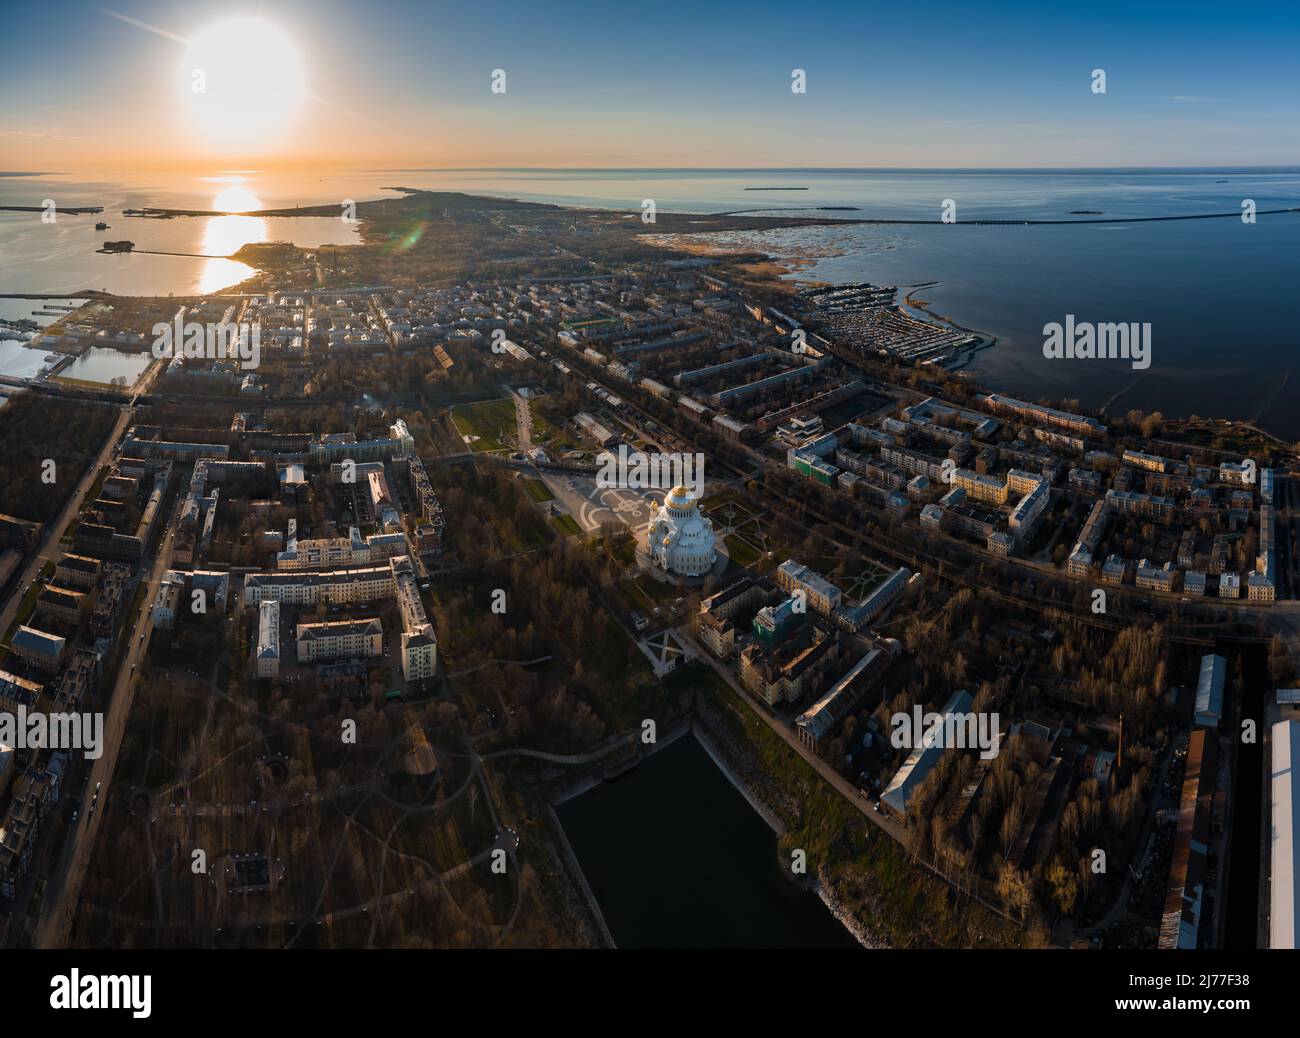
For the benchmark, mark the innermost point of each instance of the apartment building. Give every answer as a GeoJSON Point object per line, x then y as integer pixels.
{"type": "Point", "coordinates": [77, 571]}
{"type": "Point", "coordinates": [135, 447]}
{"type": "Point", "coordinates": [1141, 460]}
{"type": "Point", "coordinates": [39, 648]}
{"type": "Point", "coordinates": [346, 447]}
{"type": "Point", "coordinates": [17, 692]}
{"type": "Point", "coordinates": [338, 552]}
{"type": "Point", "coordinates": [716, 634]}
{"type": "Point", "coordinates": [78, 679]}
{"type": "Point", "coordinates": [1194, 583]}
{"type": "Point", "coordinates": [986, 489]}
{"type": "Point", "coordinates": [1080, 424]}
{"type": "Point", "coordinates": [266, 654]}
{"type": "Point", "coordinates": [18, 833]}
{"type": "Point", "coordinates": [62, 605]}
{"type": "Point", "coordinates": [340, 639]}
{"type": "Point", "coordinates": [1148, 506]}
{"type": "Point", "coordinates": [334, 587]}
{"type": "Point", "coordinates": [785, 674]}
{"type": "Point", "coordinates": [821, 594]}
{"type": "Point", "coordinates": [1236, 472]}
{"type": "Point", "coordinates": [1029, 508]}
{"type": "Point", "coordinates": [419, 642]}
{"type": "Point", "coordinates": [1155, 578]}
{"type": "Point", "coordinates": [817, 722]}
{"type": "Point", "coordinates": [167, 602]}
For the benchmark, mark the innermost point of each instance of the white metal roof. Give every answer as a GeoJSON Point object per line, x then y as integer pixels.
{"type": "Point", "coordinates": [1284, 797]}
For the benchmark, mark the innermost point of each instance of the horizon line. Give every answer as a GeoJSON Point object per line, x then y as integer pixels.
{"type": "Point", "coordinates": [1273, 168]}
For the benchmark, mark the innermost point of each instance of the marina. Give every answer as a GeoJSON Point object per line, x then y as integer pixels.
{"type": "Point", "coordinates": [868, 318]}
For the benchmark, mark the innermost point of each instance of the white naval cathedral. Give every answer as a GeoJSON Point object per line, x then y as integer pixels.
{"type": "Point", "coordinates": [679, 540]}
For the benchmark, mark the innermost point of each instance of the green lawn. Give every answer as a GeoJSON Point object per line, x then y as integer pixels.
{"type": "Point", "coordinates": [623, 551]}
{"type": "Point", "coordinates": [566, 523]}
{"type": "Point", "coordinates": [542, 429]}
{"type": "Point", "coordinates": [742, 552]}
{"type": "Point", "coordinates": [492, 421]}
{"type": "Point", "coordinates": [28, 605]}
{"type": "Point", "coordinates": [538, 490]}
{"type": "Point", "coordinates": [876, 881]}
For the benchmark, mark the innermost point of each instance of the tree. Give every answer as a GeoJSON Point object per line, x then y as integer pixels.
{"type": "Point", "coordinates": [1013, 888]}
{"type": "Point", "coordinates": [1153, 425]}
{"type": "Point", "coordinates": [1065, 887]}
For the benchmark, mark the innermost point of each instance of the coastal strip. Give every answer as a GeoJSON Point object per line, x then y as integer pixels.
{"type": "Point", "coordinates": [720, 762]}
{"type": "Point", "coordinates": [819, 885]}
{"type": "Point", "coordinates": [571, 859]}
{"type": "Point", "coordinates": [70, 211]}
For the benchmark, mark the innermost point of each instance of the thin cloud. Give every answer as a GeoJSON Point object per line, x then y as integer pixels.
{"type": "Point", "coordinates": [143, 25]}
{"type": "Point", "coordinates": [36, 135]}
{"type": "Point", "coordinates": [1189, 98]}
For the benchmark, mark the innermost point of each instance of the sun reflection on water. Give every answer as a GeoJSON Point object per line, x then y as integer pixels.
{"type": "Point", "coordinates": [224, 235]}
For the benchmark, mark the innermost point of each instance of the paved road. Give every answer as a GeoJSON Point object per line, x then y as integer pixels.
{"type": "Point", "coordinates": [609, 746]}
{"type": "Point", "coordinates": [523, 421]}
{"type": "Point", "coordinates": [68, 874]}
{"type": "Point", "coordinates": [896, 830]}
{"type": "Point", "coordinates": [49, 550]}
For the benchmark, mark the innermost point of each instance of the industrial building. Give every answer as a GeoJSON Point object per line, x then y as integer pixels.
{"type": "Point", "coordinates": [1209, 690]}
{"type": "Point", "coordinates": [1284, 799]}
{"type": "Point", "coordinates": [907, 780]}
{"type": "Point", "coordinates": [1180, 925]}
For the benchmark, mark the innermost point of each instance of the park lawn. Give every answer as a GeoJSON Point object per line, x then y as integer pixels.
{"type": "Point", "coordinates": [566, 524]}
{"type": "Point", "coordinates": [492, 421]}
{"type": "Point", "coordinates": [742, 552]}
{"type": "Point", "coordinates": [726, 497]}
{"type": "Point", "coordinates": [623, 551]}
{"type": "Point", "coordinates": [543, 430]}
{"type": "Point", "coordinates": [538, 490]}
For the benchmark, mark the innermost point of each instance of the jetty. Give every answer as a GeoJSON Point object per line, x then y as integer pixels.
{"type": "Point", "coordinates": [71, 210]}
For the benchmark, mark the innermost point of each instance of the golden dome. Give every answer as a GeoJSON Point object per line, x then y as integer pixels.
{"type": "Point", "coordinates": [680, 498]}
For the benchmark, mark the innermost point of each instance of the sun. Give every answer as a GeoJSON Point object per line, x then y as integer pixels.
{"type": "Point", "coordinates": [236, 199]}
{"type": "Point", "coordinates": [242, 80]}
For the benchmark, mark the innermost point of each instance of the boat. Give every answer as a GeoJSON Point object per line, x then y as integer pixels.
{"type": "Point", "coordinates": [118, 246]}
{"type": "Point", "coordinates": [101, 226]}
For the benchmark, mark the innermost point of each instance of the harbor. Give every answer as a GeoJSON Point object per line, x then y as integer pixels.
{"type": "Point", "coordinates": [870, 318]}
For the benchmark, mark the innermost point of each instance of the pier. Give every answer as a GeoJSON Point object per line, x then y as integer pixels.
{"type": "Point", "coordinates": [151, 252]}
{"type": "Point", "coordinates": [983, 222]}
{"type": "Point", "coordinates": [85, 293]}
{"type": "Point", "coordinates": [82, 210]}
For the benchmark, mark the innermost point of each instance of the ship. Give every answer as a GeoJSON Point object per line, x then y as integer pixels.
{"type": "Point", "coordinates": [118, 246]}
{"type": "Point", "coordinates": [101, 226]}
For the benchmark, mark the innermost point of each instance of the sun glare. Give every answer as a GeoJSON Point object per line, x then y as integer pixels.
{"type": "Point", "coordinates": [243, 80]}
{"type": "Point", "coordinates": [236, 199]}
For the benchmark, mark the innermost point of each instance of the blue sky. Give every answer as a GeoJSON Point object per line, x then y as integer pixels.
{"type": "Point", "coordinates": [617, 84]}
